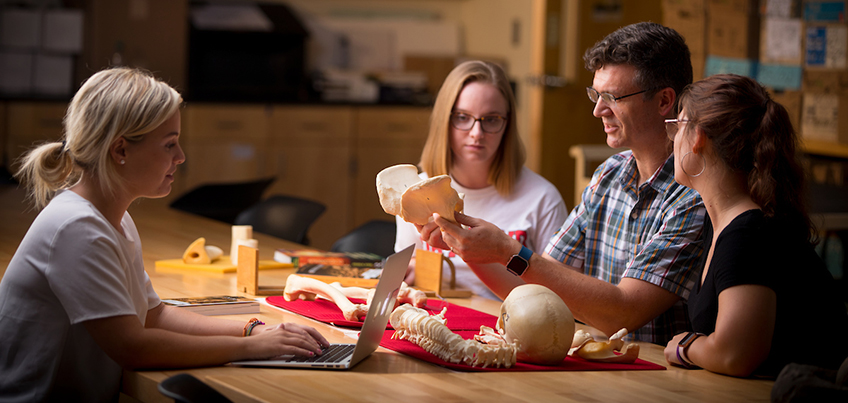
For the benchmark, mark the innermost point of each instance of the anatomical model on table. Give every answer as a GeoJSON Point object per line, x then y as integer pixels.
{"type": "Point", "coordinates": [306, 288]}
{"type": "Point", "coordinates": [534, 326]}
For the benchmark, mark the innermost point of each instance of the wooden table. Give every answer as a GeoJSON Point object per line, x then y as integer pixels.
{"type": "Point", "coordinates": [385, 375]}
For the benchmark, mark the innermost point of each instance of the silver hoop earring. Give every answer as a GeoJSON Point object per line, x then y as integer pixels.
{"type": "Point", "coordinates": [683, 164]}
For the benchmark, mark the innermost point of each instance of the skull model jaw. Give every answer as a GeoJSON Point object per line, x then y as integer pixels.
{"type": "Point", "coordinates": [539, 321]}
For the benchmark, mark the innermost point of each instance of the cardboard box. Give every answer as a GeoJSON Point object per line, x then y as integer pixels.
{"type": "Point", "coordinates": [825, 46]}
{"type": "Point", "coordinates": [780, 76]}
{"type": "Point", "coordinates": [782, 41]}
{"type": "Point", "coordinates": [825, 82]}
{"type": "Point", "coordinates": [824, 11]}
{"type": "Point", "coordinates": [20, 29]}
{"type": "Point", "coordinates": [791, 100]}
{"type": "Point", "coordinates": [724, 8]}
{"type": "Point", "coordinates": [16, 72]}
{"type": "Point", "coordinates": [733, 34]}
{"type": "Point", "coordinates": [820, 118]}
{"type": "Point", "coordinates": [722, 65]}
{"type": "Point", "coordinates": [782, 8]}
{"type": "Point", "coordinates": [687, 4]}
{"type": "Point", "coordinates": [689, 19]}
{"type": "Point", "coordinates": [62, 31]}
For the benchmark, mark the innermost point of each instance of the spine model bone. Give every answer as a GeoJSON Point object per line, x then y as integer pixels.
{"type": "Point", "coordinates": [430, 333]}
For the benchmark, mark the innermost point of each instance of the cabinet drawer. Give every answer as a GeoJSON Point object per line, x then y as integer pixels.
{"type": "Point", "coordinates": [225, 122]}
{"type": "Point", "coordinates": [303, 126]}
{"type": "Point", "coordinates": [396, 125]}
{"type": "Point", "coordinates": [32, 122]}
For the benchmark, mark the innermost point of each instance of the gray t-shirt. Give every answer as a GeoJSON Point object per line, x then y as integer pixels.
{"type": "Point", "coordinates": [72, 266]}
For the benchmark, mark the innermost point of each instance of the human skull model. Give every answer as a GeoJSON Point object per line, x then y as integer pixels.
{"type": "Point", "coordinates": [539, 321]}
{"type": "Point", "coordinates": [403, 193]}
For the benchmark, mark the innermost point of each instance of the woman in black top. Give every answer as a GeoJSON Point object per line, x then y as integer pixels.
{"type": "Point", "coordinates": [765, 298]}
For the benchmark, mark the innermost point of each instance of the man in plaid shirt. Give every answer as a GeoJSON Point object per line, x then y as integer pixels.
{"type": "Point", "coordinates": [630, 252]}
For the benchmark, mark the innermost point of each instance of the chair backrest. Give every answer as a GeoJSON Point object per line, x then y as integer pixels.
{"type": "Point", "coordinates": [222, 201]}
{"type": "Point", "coordinates": [285, 217]}
{"type": "Point", "coordinates": [185, 388]}
{"type": "Point", "coordinates": [377, 236]}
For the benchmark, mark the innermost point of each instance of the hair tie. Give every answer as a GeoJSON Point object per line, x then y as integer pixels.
{"type": "Point", "coordinates": [64, 147]}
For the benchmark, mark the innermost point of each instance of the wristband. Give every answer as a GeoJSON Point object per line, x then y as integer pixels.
{"type": "Point", "coordinates": [683, 362]}
{"type": "Point", "coordinates": [253, 322]}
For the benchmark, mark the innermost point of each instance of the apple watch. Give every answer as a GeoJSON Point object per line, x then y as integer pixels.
{"type": "Point", "coordinates": [518, 263]}
{"type": "Point", "coordinates": [681, 347]}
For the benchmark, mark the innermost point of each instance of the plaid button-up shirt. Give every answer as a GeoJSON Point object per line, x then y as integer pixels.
{"type": "Point", "coordinates": [650, 232]}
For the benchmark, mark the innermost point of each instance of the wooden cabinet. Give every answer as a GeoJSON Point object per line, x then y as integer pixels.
{"type": "Point", "coordinates": [223, 143]}
{"type": "Point", "coordinates": [385, 136]}
{"type": "Point", "coordinates": [332, 154]}
{"type": "Point", "coordinates": [310, 155]}
{"type": "Point", "coordinates": [30, 123]}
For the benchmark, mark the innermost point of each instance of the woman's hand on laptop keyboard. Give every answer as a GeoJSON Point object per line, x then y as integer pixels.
{"type": "Point", "coordinates": [286, 339]}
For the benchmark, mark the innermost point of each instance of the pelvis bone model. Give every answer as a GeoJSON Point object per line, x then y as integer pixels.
{"type": "Point", "coordinates": [534, 326]}
{"type": "Point", "coordinates": [403, 193]}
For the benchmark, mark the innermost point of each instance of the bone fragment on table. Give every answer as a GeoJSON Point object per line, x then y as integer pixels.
{"type": "Point", "coordinates": [298, 287]}
{"type": "Point", "coordinates": [430, 333]}
{"type": "Point", "coordinates": [612, 351]}
{"type": "Point", "coordinates": [406, 295]}
{"type": "Point", "coordinates": [200, 253]}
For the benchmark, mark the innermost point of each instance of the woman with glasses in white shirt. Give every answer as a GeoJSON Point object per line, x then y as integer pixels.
{"type": "Point", "coordinates": [474, 138]}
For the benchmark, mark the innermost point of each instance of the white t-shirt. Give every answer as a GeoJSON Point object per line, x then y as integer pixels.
{"type": "Point", "coordinates": [531, 214]}
{"type": "Point", "coordinates": [72, 266]}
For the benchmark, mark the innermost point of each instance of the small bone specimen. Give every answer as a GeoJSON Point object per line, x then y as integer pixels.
{"type": "Point", "coordinates": [305, 288]}
{"type": "Point", "coordinates": [200, 253]}
{"type": "Point", "coordinates": [406, 294]}
{"type": "Point", "coordinates": [403, 193]}
{"type": "Point", "coordinates": [540, 321]}
{"type": "Point", "coordinates": [418, 326]}
{"type": "Point", "coordinates": [614, 350]}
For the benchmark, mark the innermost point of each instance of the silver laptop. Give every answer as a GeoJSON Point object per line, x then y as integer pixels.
{"type": "Point", "coordinates": [345, 356]}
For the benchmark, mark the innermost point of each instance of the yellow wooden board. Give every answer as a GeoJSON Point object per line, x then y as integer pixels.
{"type": "Point", "coordinates": [222, 265]}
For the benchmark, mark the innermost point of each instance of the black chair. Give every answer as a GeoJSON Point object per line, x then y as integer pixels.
{"type": "Point", "coordinates": [222, 201]}
{"type": "Point", "coordinates": [285, 217]}
{"type": "Point", "coordinates": [184, 388]}
{"type": "Point", "coordinates": [376, 236]}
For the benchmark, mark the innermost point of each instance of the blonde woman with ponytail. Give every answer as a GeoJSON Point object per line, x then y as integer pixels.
{"type": "Point", "coordinates": [762, 283]}
{"type": "Point", "coordinates": [76, 305]}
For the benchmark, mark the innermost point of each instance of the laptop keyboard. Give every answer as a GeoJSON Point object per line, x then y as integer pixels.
{"type": "Point", "coordinates": [334, 353]}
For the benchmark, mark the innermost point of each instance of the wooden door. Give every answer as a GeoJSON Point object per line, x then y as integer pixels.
{"type": "Point", "coordinates": [31, 123]}
{"type": "Point", "coordinates": [223, 143]}
{"type": "Point", "coordinates": [561, 112]}
{"type": "Point", "coordinates": [385, 136]}
{"type": "Point", "coordinates": [310, 155]}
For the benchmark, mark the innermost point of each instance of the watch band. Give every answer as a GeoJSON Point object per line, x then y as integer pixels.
{"type": "Point", "coordinates": [685, 342]}
{"type": "Point", "coordinates": [518, 263]}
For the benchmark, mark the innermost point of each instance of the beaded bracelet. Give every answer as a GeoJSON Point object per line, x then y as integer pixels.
{"type": "Point", "coordinates": [253, 322]}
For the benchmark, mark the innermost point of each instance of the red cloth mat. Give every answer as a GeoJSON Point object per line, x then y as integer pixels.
{"type": "Point", "coordinates": [458, 317]}
{"type": "Point", "coordinates": [569, 364]}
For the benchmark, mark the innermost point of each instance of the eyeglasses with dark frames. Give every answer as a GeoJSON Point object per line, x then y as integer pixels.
{"type": "Point", "coordinates": [489, 123]}
{"type": "Point", "coordinates": [672, 126]}
{"type": "Point", "coordinates": [608, 98]}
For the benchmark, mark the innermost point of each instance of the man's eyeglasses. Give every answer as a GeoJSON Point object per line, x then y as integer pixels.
{"type": "Point", "coordinates": [489, 123]}
{"type": "Point", "coordinates": [672, 126]}
{"type": "Point", "coordinates": [608, 98]}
